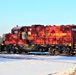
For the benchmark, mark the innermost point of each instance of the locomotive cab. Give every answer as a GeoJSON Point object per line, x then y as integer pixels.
{"type": "Point", "coordinates": [15, 30]}
{"type": "Point", "coordinates": [24, 34]}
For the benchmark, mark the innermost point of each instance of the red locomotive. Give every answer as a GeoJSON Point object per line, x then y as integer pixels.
{"type": "Point", "coordinates": [55, 39]}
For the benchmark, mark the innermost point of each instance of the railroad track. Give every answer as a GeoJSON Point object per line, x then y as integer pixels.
{"type": "Point", "coordinates": [21, 56]}
{"type": "Point", "coordinates": [38, 53]}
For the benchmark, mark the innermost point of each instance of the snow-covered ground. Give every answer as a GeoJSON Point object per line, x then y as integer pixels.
{"type": "Point", "coordinates": [36, 65]}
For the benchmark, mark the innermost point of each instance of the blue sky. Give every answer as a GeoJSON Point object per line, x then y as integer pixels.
{"type": "Point", "coordinates": [28, 12]}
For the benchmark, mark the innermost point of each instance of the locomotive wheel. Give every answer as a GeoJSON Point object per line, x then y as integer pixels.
{"type": "Point", "coordinates": [68, 51]}
{"type": "Point", "coordinates": [8, 51]}
{"type": "Point", "coordinates": [26, 52]}
{"type": "Point", "coordinates": [19, 51]}
{"type": "Point", "coordinates": [51, 51]}
{"type": "Point", "coordinates": [72, 54]}
{"type": "Point", "coordinates": [56, 52]}
{"type": "Point", "coordinates": [14, 51]}
{"type": "Point", "coordinates": [40, 49]}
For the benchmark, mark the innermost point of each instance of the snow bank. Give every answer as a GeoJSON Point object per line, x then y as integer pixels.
{"type": "Point", "coordinates": [71, 71]}
{"type": "Point", "coordinates": [37, 65]}
{"type": "Point", "coordinates": [33, 67]}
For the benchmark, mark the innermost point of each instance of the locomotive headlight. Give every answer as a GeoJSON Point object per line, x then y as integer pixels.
{"type": "Point", "coordinates": [29, 33]}
{"type": "Point", "coordinates": [14, 44]}
{"type": "Point", "coordinates": [32, 44]}
{"type": "Point", "coordinates": [2, 44]}
{"type": "Point", "coordinates": [26, 44]}
{"type": "Point", "coordinates": [69, 44]}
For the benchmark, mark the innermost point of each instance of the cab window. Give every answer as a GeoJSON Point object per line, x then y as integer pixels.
{"type": "Point", "coordinates": [15, 32]}
{"type": "Point", "coordinates": [23, 35]}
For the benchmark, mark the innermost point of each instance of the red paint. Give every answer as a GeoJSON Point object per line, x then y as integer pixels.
{"type": "Point", "coordinates": [39, 34]}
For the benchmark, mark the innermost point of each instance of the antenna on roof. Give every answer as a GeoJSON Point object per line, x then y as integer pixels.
{"type": "Point", "coordinates": [16, 25]}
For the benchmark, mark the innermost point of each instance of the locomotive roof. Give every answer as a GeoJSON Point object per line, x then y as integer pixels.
{"type": "Point", "coordinates": [17, 27]}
